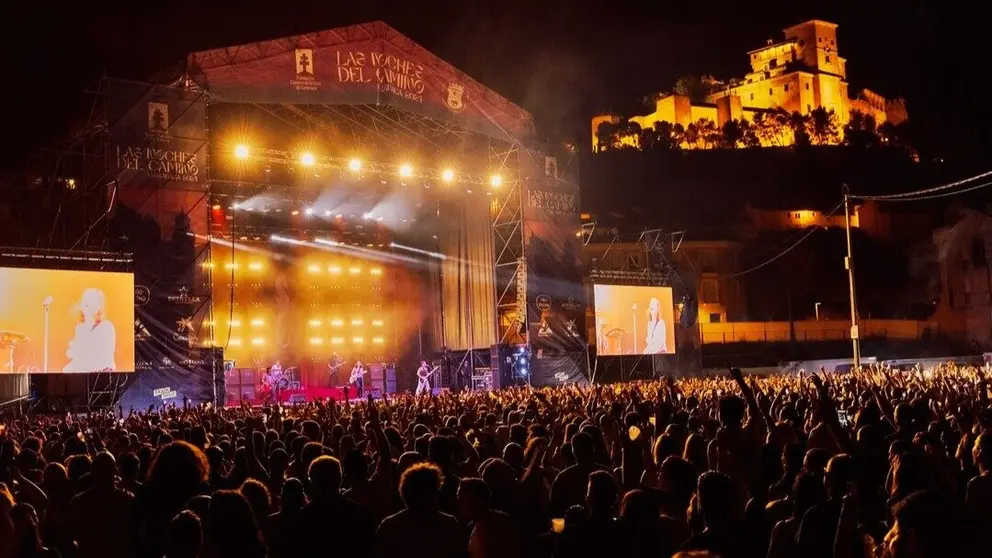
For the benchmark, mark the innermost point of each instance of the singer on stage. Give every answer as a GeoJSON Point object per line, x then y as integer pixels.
{"type": "Point", "coordinates": [92, 349]}
{"type": "Point", "coordinates": [657, 336]}
{"type": "Point", "coordinates": [357, 378]}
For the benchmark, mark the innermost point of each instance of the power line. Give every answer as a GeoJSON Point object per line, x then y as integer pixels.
{"type": "Point", "coordinates": [931, 197]}
{"type": "Point", "coordinates": [898, 197]}
{"type": "Point", "coordinates": [787, 250]}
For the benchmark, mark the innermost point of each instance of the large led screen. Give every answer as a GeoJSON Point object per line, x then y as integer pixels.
{"type": "Point", "coordinates": [66, 321]}
{"type": "Point", "coordinates": [634, 320]}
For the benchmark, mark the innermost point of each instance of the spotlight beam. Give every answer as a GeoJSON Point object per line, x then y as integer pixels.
{"type": "Point", "coordinates": [435, 255]}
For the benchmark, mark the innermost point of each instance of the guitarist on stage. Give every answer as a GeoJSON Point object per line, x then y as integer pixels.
{"type": "Point", "coordinates": [358, 378]}
{"type": "Point", "coordinates": [423, 377]}
{"type": "Point", "coordinates": [333, 368]}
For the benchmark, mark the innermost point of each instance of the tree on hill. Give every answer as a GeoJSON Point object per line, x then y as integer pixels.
{"type": "Point", "coordinates": [822, 127]}
{"type": "Point", "coordinates": [861, 131]}
{"type": "Point", "coordinates": [739, 133]}
{"type": "Point", "coordinates": [606, 135]}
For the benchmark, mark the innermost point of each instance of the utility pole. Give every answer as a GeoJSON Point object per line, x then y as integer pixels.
{"type": "Point", "coordinates": [849, 264]}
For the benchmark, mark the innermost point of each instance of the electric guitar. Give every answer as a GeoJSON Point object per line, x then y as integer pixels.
{"type": "Point", "coordinates": [356, 374]}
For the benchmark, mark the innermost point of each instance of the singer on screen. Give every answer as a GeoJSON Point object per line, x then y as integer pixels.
{"type": "Point", "coordinates": [92, 349]}
{"type": "Point", "coordinates": [657, 339]}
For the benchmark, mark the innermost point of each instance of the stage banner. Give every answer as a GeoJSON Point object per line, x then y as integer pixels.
{"type": "Point", "coordinates": [364, 64]}
{"type": "Point", "coordinates": [556, 302]}
{"type": "Point", "coordinates": [156, 156]}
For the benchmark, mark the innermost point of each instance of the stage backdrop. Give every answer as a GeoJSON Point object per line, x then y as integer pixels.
{"type": "Point", "coordinates": [366, 64]}
{"type": "Point", "coordinates": [555, 297]}
{"type": "Point", "coordinates": [157, 152]}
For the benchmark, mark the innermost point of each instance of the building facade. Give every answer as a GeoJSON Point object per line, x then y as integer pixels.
{"type": "Point", "coordinates": [799, 74]}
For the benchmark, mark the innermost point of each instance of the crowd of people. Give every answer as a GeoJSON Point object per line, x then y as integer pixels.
{"type": "Point", "coordinates": [869, 463]}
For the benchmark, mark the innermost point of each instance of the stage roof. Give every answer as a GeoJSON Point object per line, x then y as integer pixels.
{"type": "Point", "coordinates": [364, 64]}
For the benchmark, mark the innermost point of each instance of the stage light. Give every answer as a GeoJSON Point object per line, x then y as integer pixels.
{"type": "Point", "coordinates": [255, 266]}
{"type": "Point", "coordinates": [316, 340]}
{"type": "Point", "coordinates": [209, 323]}
{"type": "Point", "coordinates": [378, 340]}
{"type": "Point", "coordinates": [235, 323]}
{"type": "Point", "coordinates": [337, 323]}
{"type": "Point", "coordinates": [357, 322]}
{"type": "Point", "coordinates": [207, 264]}
{"type": "Point", "coordinates": [375, 271]}
{"type": "Point", "coordinates": [307, 159]}
{"type": "Point", "coordinates": [376, 323]}
{"type": "Point", "coordinates": [236, 206]}
{"type": "Point", "coordinates": [366, 216]}
{"type": "Point", "coordinates": [313, 268]}
{"type": "Point", "coordinates": [235, 342]}
{"type": "Point", "coordinates": [327, 213]}
{"type": "Point", "coordinates": [335, 270]}
{"type": "Point", "coordinates": [354, 270]}
{"type": "Point", "coordinates": [337, 340]}
{"type": "Point", "coordinates": [294, 212]}
{"type": "Point", "coordinates": [315, 323]}
{"type": "Point", "coordinates": [447, 175]}
{"type": "Point", "coordinates": [406, 171]}
{"type": "Point", "coordinates": [241, 151]}
{"type": "Point", "coordinates": [308, 211]}
{"type": "Point", "coordinates": [257, 322]}
{"type": "Point", "coordinates": [216, 207]}
{"type": "Point", "coordinates": [496, 181]}
{"type": "Point", "coordinates": [358, 340]}
{"type": "Point", "coordinates": [258, 341]}
{"type": "Point", "coordinates": [230, 265]}
{"type": "Point", "coordinates": [338, 216]}
{"type": "Point", "coordinates": [354, 165]}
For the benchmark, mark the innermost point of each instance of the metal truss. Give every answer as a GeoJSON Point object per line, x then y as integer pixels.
{"type": "Point", "coordinates": [509, 259]}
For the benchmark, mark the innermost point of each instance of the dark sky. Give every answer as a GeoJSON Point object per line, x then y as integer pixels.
{"type": "Point", "coordinates": [561, 59]}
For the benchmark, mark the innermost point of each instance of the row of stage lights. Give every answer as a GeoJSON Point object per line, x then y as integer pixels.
{"type": "Point", "coordinates": [314, 322]}
{"type": "Point", "coordinates": [316, 341]}
{"type": "Point", "coordinates": [312, 268]}
{"type": "Point", "coordinates": [405, 170]}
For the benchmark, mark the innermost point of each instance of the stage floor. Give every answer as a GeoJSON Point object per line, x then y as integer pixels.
{"type": "Point", "coordinates": [303, 395]}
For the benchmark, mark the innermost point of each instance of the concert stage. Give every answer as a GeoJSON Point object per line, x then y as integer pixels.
{"type": "Point", "coordinates": [354, 197]}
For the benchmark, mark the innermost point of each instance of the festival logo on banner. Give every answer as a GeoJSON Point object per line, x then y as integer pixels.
{"type": "Point", "coordinates": [571, 305]}
{"type": "Point", "coordinates": [543, 302]}
{"type": "Point", "coordinates": [391, 74]}
{"type": "Point", "coordinates": [165, 393]}
{"type": "Point", "coordinates": [553, 204]}
{"type": "Point", "coordinates": [305, 80]}
{"type": "Point", "coordinates": [182, 296]}
{"type": "Point", "coordinates": [551, 169]}
{"type": "Point", "coordinates": [141, 332]}
{"type": "Point", "coordinates": [142, 295]}
{"type": "Point", "coordinates": [158, 121]}
{"type": "Point", "coordinates": [456, 97]}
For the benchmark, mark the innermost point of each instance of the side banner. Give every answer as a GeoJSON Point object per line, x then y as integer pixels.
{"type": "Point", "coordinates": [157, 151]}
{"type": "Point", "coordinates": [555, 297]}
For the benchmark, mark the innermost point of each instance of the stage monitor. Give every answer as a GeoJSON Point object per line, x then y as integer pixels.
{"type": "Point", "coordinates": [634, 320]}
{"type": "Point", "coordinates": [62, 321]}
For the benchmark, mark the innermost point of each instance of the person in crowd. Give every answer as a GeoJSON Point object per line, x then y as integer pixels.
{"type": "Point", "coordinates": [100, 518]}
{"type": "Point", "coordinates": [421, 529]}
{"type": "Point", "coordinates": [493, 534]}
{"type": "Point", "coordinates": [184, 536]}
{"type": "Point", "coordinates": [178, 472]}
{"type": "Point", "coordinates": [232, 531]}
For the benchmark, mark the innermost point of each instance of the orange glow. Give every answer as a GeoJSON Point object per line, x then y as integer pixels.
{"type": "Point", "coordinates": [447, 175]}
{"type": "Point", "coordinates": [355, 270]}
{"type": "Point", "coordinates": [334, 270]}
{"type": "Point", "coordinates": [337, 322]}
{"type": "Point", "coordinates": [378, 340]}
{"type": "Point", "coordinates": [496, 181]}
{"type": "Point", "coordinates": [315, 323]}
{"type": "Point", "coordinates": [235, 323]}
{"type": "Point", "coordinates": [235, 342]}
{"type": "Point", "coordinates": [241, 151]}
{"type": "Point", "coordinates": [313, 268]}
{"type": "Point", "coordinates": [258, 341]}
{"type": "Point", "coordinates": [337, 340]}
{"type": "Point", "coordinates": [357, 322]}
{"type": "Point", "coordinates": [358, 340]}
{"type": "Point", "coordinates": [257, 322]}
{"type": "Point", "coordinates": [316, 340]}
{"type": "Point", "coordinates": [255, 266]}
{"type": "Point", "coordinates": [216, 207]}
{"type": "Point", "coordinates": [295, 212]}
{"type": "Point", "coordinates": [307, 159]}
{"type": "Point", "coordinates": [375, 271]}
{"type": "Point", "coordinates": [208, 264]}
{"type": "Point", "coordinates": [355, 165]}
{"type": "Point", "coordinates": [406, 171]}
{"type": "Point", "coordinates": [377, 323]}
{"type": "Point", "coordinates": [230, 265]}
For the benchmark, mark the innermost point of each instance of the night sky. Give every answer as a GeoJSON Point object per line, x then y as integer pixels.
{"type": "Point", "coordinates": [563, 60]}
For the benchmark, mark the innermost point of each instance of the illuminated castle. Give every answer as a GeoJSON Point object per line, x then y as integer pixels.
{"type": "Point", "coordinates": [800, 74]}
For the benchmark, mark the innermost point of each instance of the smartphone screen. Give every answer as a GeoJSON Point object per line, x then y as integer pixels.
{"type": "Point", "coordinates": [634, 433]}
{"type": "Point", "coordinates": [653, 421]}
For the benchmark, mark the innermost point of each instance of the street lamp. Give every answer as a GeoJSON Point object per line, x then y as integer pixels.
{"type": "Point", "coordinates": [816, 309]}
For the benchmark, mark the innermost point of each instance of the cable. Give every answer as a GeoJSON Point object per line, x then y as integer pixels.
{"type": "Point", "coordinates": [925, 190]}
{"type": "Point", "coordinates": [932, 197]}
{"type": "Point", "coordinates": [787, 250]}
